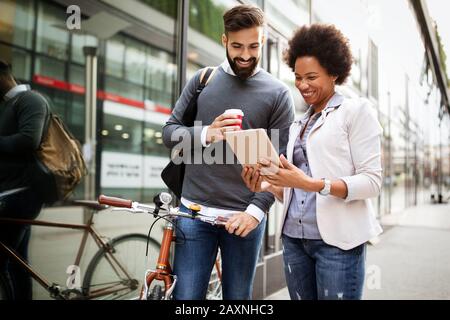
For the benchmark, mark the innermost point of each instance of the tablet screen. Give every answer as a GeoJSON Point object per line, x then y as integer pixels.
{"type": "Point", "coordinates": [250, 146]}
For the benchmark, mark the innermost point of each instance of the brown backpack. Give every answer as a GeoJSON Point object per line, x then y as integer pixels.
{"type": "Point", "coordinates": [58, 165]}
{"type": "Point", "coordinates": [62, 155]}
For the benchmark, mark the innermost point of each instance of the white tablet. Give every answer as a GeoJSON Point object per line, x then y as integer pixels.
{"type": "Point", "coordinates": [251, 145]}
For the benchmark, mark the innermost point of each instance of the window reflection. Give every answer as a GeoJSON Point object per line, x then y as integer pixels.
{"type": "Point", "coordinates": [152, 139]}
{"type": "Point", "coordinates": [123, 88]}
{"type": "Point", "coordinates": [205, 16]}
{"type": "Point", "coordinates": [77, 75]}
{"type": "Point", "coordinates": [115, 55]}
{"type": "Point", "coordinates": [121, 134]}
{"type": "Point", "coordinates": [19, 59]}
{"type": "Point", "coordinates": [50, 67]}
{"type": "Point", "coordinates": [76, 116]}
{"type": "Point", "coordinates": [52, 38]}
{"type": "Point", "coordinates": [80, 41]}
{"type": "Point", "coordinates": [135, 62]}
{"type": "Point", "coordinates": [17, 22]}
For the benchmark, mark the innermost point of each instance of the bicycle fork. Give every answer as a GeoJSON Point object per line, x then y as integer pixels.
{"type": "Point", "coordinates": [163, 270]}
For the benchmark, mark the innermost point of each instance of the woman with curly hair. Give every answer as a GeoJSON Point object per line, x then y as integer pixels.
{"type": "Point", "coordinates": [331, 170]}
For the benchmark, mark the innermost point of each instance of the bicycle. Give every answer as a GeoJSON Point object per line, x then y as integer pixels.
{"type": "Point", "coordinates": [114, 271]}
{"type": "Point", "coordinates": [160, 282]}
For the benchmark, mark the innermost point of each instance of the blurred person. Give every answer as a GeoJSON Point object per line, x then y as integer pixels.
{"type": "Point", "coordinates": [332, 169]}
{"type": "Point", "coordinates": [23, 115]}
{"type": "Point", "coordinates": [267, 103]}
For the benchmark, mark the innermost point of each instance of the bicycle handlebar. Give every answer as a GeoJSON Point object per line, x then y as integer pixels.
{"type": "Point", "coordinates": [115, 202]}
{"type": "Point", "coordinates": [134, 206]}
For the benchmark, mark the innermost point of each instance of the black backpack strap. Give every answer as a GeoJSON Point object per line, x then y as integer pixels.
{"type": "Point", "coordinates": [206, 76]}
{"type": "Point", "coordinates": [191, 110]}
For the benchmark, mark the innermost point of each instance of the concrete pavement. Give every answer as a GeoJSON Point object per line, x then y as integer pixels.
{"type": "Point", "coordinates": [412, 258]}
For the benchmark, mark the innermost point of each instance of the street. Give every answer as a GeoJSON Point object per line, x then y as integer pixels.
{"type": "Point", "coordinates": [411, 259]}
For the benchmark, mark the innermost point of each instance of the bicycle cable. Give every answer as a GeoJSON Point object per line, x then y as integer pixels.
{"type": "Point", "coordinates": [170, 221]}
{"type": "Point", "coordinates": [148, 235]}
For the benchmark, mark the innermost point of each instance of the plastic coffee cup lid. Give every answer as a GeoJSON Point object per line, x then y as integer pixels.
{"type": "Point", "coordinates": [234, 111]}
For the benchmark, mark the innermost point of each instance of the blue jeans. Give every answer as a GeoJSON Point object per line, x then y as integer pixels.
{"type": "Point", "coordinates": [195, 254]}
{"type": "Point", "coordinates": [316, 270]}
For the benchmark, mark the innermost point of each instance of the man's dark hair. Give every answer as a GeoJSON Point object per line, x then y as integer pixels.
{"type": "Point", "coordinates": [325, 43]}
{"type": "Point", "coordinates": [5, 70]}
{"type": "Point", "coordinates": [243, 17]}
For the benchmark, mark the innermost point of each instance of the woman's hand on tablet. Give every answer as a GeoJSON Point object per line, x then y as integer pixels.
{"type": "Point", "coordinates": [288, 176]}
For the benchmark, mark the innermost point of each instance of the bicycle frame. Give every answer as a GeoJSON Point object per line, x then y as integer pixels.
{"type": "Point", "coordinates": [163, 270]}
{"type": "Point", "coordinates": [54, 289]}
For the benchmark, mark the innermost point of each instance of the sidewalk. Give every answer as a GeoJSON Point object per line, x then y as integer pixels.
{"type": "Point", "coordinates": [412, 258]}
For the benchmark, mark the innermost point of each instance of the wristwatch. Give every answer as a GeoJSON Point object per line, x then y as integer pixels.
{"type": "Point", "coordinates": [327, 188]}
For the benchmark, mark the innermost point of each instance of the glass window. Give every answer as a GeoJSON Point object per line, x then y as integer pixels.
{"type": "Point", "coordinates": [20, 61]}
{"type": "Point", "coordinates": [80, 41]}
{"type": "Point", "coordinates": [153, 144]}
{"type": "Point", "coordinates": [57, 100]}
{"type": "Point", "coordinates": [207, 17]}
{"type": "Point", "coordinates": [115, 55]}
{"type": "Point", "coordinates": [50, 67]}
{"type": "Point", "coordinates": [302, 3]}
{"type": "Point", "coordinates": [168, 7]}
{"type": "Point", "coordinates": [75, 117]}
{"type": "Point", "coordinates": [160, 77]}
{"type": "Point", "coordinates": [121, 134]}
{"type": "Point", "coordinates": [191, 69]}
{"type": "Point", "coordinates": [135, 57]}
{"type": "Point", "coordinates": [124, 89]}
{"type": "Point", "coordinates": [76, 75]}
{"type": "Point", "coordinates": [17, 22]}
{"type": "Point", "coordinates": [52, 38]}
{"type": "Point", "coordinates": [286, 15]}
{"type": "Point", "coordinates": [205, 32]}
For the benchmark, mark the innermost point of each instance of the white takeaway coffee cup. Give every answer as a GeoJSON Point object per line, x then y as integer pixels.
{"type": "Point", "coordinates": [235, 112]}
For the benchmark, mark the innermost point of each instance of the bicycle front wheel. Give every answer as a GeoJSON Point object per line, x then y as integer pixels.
{"type": "Point", "coordinates": [118, 273]}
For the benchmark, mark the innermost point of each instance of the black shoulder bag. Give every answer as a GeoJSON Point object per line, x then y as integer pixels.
{"type": "Point", "coordinates": [173, 174]}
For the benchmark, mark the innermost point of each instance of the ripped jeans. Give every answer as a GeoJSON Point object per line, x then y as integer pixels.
{"type": "Point", "coordinates": [315, 270]}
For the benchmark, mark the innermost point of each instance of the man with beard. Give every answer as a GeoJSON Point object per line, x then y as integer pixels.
{"type": "Point", "coordinates": [238, 83]}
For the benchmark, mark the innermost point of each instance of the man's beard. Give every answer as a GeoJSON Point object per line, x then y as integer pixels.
{"type": "Point", "coordinates": [242, 73]}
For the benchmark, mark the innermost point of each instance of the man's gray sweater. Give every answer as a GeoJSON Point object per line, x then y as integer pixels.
{"type": "Point", "coordinates": [266, 102]}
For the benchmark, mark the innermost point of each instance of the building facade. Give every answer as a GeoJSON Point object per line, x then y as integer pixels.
{"type": "Point", "coordinates": [145, 56]}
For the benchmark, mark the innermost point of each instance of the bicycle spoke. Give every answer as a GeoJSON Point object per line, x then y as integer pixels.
{"type": "Point", "coordinates": [119, 272]}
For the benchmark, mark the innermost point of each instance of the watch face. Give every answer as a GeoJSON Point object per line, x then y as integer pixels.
{"type": "Point", "coordinates": [326, 189]}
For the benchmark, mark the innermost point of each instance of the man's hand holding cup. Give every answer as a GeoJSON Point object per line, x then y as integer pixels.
{"type": "Point", "coordinates": [230, 120]}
